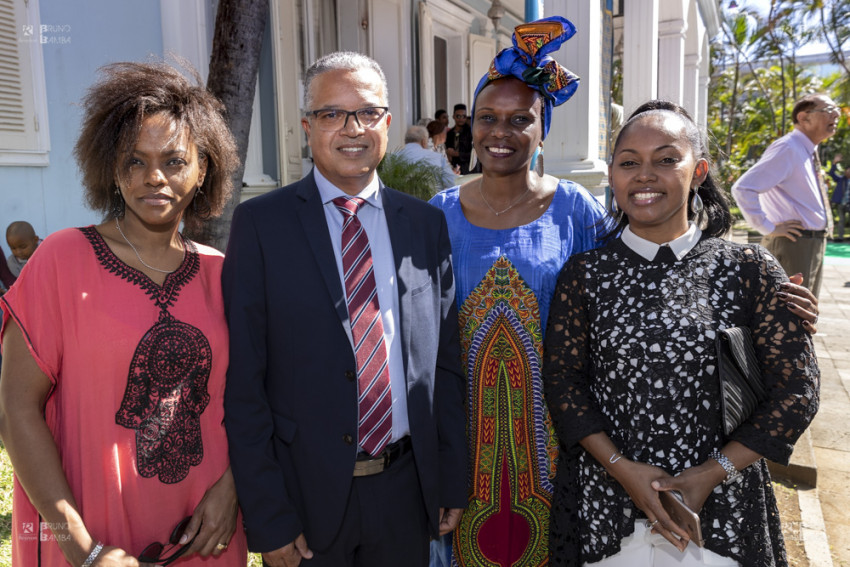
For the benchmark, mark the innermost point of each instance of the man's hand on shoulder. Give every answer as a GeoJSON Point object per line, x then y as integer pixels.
{"type": "Point", "coordinates": [289, 555]}
{"type": "Point", "coordinates": [791, 230]}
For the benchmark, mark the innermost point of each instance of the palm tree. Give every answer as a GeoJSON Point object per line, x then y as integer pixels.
{"type": "Point", "coordinates": [234, 64]}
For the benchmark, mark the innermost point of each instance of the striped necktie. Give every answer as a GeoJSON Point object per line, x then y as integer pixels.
{"type": "Point", "coordinates": [823, 194]}
{"type": "Point", "coordinates": [367, 330]}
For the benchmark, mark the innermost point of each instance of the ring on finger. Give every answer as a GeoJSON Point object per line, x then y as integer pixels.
{"type": "Point", "coordinates": [652, 524]}
{"type": "Point", "coordinates": [221, 547]}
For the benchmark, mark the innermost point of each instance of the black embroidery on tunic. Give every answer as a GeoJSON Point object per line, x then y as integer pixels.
{"type": "Point", "coordinates": [166, 389]}
{"type": "Point", "coordinates": [630, 351]}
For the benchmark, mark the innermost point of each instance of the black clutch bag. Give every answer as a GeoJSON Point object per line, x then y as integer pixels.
{"type": "Point", "coordinates": [741, 384]}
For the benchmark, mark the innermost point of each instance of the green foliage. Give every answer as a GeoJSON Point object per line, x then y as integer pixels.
{"type": "Point", "coordinates": [617, 81]}
{"type": "Point", "coordinates": [756, 78]}
{"type": "Point", "coordinates": [420, 179]}
{"type": "Point", "coordinates": [6, 485]}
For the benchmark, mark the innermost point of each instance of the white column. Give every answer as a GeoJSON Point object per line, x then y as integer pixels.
{"type": "Point", "coordinates": [693, 58]}
{"type": "Point", "coordinates": [704, 80]}
{"type": "Point", "coordinates": [572, 146]}
{"type": "Point", "coordinates": [671, 60]}
{"type": "Point", "coordinates": [185, 32]}
{"type": "Point", "coordinates": [640, 53]}
{"type": "Point", "coordinates": [691, 92]}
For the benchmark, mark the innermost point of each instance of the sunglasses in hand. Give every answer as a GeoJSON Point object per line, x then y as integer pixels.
{"type": "Point", "coordinates": [165, 554]}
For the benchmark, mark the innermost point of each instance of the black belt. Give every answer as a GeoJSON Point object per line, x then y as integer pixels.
{"type": "Point", "coordinates": [366, 465]}
{"type": "Point", "coordinates": [813, 233]}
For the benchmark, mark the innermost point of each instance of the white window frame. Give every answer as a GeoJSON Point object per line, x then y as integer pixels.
{"type": "Point", "coordinates": [451, 23]}
{"type": "Point", "coordinates": [32, 147]}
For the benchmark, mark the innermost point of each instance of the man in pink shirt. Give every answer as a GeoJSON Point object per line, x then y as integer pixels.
{"type": "Point", "coordinates": [782, 195]}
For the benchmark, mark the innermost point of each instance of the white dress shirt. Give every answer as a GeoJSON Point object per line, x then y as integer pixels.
{"type": "Point", "coordinates": [782, 186]}
{"type": "Point", "coordinates": [648, 249]}
{"type": "Point", "coordinates": [374, 222]}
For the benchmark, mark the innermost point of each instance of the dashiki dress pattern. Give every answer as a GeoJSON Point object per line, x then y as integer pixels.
{"type": "Point", "coordinates": [505, 280]}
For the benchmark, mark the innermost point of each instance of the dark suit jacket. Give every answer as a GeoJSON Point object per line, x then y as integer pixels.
{"type": "Point", "coordinates": [291, 398]}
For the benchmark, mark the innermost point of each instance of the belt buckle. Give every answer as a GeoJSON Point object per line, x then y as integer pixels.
{"type": "Point", "coordinates": [369, 467]}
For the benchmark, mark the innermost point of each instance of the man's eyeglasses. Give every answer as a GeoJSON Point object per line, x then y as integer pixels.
{"type": "Point", "coordinates": [334, 119]}
{"type": "Point", "coordinates": [827, 109]}
{"type": "Point", "coordinates": [161, 554]}
{"type": "Point", "coordinates": [461, 116]}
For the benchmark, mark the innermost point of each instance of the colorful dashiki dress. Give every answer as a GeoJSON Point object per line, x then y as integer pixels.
{"type": "Point", "coordinates": [505, 280]}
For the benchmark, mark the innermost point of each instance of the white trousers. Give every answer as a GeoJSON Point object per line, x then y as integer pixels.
{"type": "Point", "coordinates": [643, 548]}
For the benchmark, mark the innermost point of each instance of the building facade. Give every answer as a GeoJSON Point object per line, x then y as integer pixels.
{"type": "Point", "coordinates": [432, 51]}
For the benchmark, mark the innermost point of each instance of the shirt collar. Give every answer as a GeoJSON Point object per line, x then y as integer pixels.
{"type": "Point", "coordinates": [804, 140]}
{"type": "Point", "coordinates": [328, 191]}
{"type": "Point", "coordinates": [648, 250]}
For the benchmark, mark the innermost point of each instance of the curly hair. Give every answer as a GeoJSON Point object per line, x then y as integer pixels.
{"type": "Point", "coordinates": [716, 217]}
{"type": "Point", "coordinates": [115, 108]}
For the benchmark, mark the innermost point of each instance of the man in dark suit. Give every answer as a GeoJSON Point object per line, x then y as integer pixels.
{"type": "Point", "coordinates": [344, 402]}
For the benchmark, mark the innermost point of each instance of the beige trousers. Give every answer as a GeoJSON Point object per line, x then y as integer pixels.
{"type": "Point", "coordinates": [804, 256]}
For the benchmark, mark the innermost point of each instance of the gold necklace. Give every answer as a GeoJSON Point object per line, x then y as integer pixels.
{"type": "Point", "coordinates": [509, 207]}
{"type": "Point", "coordinates": [145, 264]}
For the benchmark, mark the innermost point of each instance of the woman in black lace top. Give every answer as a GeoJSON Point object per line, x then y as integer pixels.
{"type": "Point", "coordinates": [631, 371]}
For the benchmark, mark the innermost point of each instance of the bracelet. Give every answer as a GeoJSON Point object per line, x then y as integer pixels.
{"type": "Point", "coordinates": [732, 474]}
{"type": "Point", "coordinates": [93, 555]}
{"type": "Point", "coordinates": [612, 458]}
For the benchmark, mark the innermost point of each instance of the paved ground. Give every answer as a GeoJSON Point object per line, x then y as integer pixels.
{"type": "Point", "coordinates": [830, 431]}
{"type": "Point", "coordinates": [825, 510]}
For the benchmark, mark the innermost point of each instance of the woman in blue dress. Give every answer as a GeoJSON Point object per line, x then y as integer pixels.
{"type": "Point", "coordinates": [512, 229]}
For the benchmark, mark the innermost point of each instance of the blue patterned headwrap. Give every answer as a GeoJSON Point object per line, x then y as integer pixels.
{"type": "Point", "coordinates": [528, 61]}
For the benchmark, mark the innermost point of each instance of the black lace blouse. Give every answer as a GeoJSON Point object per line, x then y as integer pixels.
{"type": "Point", "coordinates": [630, 351]}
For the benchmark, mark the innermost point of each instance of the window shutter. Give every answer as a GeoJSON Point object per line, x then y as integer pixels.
{"type": "Point", "coordinates": [23, 117]}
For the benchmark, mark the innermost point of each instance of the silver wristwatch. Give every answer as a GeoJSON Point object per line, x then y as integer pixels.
{"type": "Point", "coordinates": [732, 474]}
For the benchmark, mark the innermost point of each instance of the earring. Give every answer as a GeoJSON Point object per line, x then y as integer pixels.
{"type": "Point", "coordinates": [616, 211]}
{"type": "Point", "coordinates": [538, 162]}
{"type": "Point", "coordinates": [118, 204]}
{"type": "Point", "coordinates": [696, 203]}
{"type": "Point", "coordinates": [201, 205]}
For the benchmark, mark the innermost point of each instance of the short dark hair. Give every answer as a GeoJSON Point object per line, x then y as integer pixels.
{"type": "Point", "coordinates": [115, 108]}
{"type": "Point", "coordinates": [805, 104]}
{"type": "Point", "coordinates": [434, 127]}
{"type": "Point", "coordinates": [21, 229]}
{"type": "Point", "coordinates": [718, 219]}
{"type": "Point", "coordinates": [440, 112]}
{"type": "Point", "coordinates": [460, 106]}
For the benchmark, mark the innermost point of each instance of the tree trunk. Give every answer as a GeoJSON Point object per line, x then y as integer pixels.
{"type": "Point", "coordinates": [234, 63]}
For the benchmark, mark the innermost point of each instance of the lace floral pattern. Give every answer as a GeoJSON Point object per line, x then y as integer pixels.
{"type": "Point", "coordinates": [630, 351]}
{"type": "Point", "coordinates": [166, 390]}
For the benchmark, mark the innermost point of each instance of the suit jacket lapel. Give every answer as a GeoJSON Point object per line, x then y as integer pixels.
{"type": "Point", "coordinates": [311, 213]}
{"type": "Point", "coordinates": [398, 225]}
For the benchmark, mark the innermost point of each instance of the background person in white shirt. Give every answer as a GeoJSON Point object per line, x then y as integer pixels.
{"type": "Point", "coordinates": [416, 150]}
{"type": "Point", "coordinates": [781, 197]}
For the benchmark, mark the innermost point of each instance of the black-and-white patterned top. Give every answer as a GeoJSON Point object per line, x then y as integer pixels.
{"type": "Point", "coordinates": [630, 351]}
